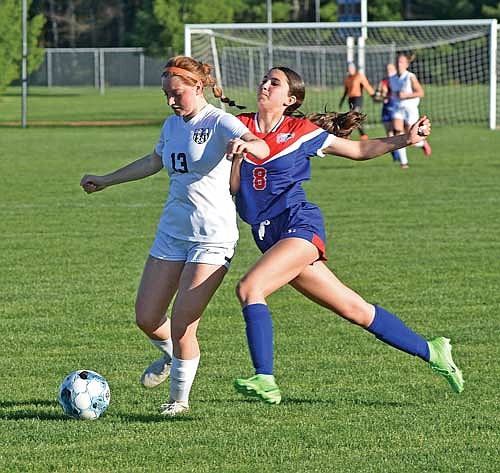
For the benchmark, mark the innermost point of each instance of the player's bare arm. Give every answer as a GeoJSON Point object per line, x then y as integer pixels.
{"type": "Point", "coordinates": [369, 149]}
{"type": "Point", "coordinates": [418, 90]}
{"type": "Point", "coordinates": [248, 143]}
{"type": "Point", "coordinates": [139, 169]}
{"type": "Point", "coordinates": [234, 178]}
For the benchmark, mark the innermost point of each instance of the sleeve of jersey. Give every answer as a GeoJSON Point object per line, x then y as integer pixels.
{"type": "Point", "coordinates": [161, 140]}
{"type": "Point", "coordinates": [232, 127]}
{"type": "Point", "coordinates": [315, 141]}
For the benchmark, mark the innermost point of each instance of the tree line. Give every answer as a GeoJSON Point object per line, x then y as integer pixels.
{"type": "Point", "coordinates": [158, 25]}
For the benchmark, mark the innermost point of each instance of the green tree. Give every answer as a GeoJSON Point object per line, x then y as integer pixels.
{"type": "Point", "coordinates": [11, 41]}
{"type": "Point", "coordinates": [491, 11]}
{"type": "Point", "coordinates": [146, 31]}
{"type": "Point", "coordinates": [384, 10]}
{"type": "Point", "coordinates": [172, 15]}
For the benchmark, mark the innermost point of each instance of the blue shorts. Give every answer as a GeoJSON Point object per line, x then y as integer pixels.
{"type": "Point", "coordinates": [304, 220]}
{"type": "Point", "coordinates": [387, 112]}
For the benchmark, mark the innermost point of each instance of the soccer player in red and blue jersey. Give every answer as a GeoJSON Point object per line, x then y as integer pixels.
{"type": "Point", "coordinates": [289, 230]}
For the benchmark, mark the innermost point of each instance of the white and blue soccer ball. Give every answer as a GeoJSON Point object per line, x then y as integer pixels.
{"type": "Point", "coordinates": [84, 394]}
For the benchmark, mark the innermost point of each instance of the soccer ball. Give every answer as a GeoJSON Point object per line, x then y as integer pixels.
{"type": "Point", "coordinates": [84, 394]}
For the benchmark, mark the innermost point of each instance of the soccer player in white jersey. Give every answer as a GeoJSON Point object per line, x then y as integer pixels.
{"type": "Point", "coordinates": [407, 92]}
{"type": "Point", "coordinates": [197, 232]}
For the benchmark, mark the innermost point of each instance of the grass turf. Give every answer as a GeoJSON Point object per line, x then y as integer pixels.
{"type": "Point", "coordinates": [422, 243]}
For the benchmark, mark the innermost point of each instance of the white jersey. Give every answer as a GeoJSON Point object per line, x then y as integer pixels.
{"type": "Point", "coordinates": [402, 83]}
{"type": "Point", "coordinates": [199, 205]}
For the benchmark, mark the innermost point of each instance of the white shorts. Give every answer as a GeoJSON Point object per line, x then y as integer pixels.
{"type": "Point", "coordinates": [407, 113]}
{"type": "Point", "coordinates": [172, 249]}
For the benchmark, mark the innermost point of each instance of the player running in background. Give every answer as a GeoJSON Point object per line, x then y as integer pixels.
{"type": "Point", "coordinates": [354, 84]}
{"type": "Point", "coordinates": [197, 232]}
{"type": "Point", "coordinates": [384, 94]}
{"type": "Point", "coordinates": [290, 232]}
{"type": "Point", "coordinates": [407, 92]}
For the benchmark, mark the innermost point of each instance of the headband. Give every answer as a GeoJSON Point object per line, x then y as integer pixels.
{"type": "Point", "coordinates": [177, 71]}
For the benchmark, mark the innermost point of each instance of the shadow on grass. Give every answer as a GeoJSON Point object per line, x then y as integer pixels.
{"type": "Point", "coordinates": [27, 402]}
{"type": "Point", "coordinates": [29, 409]}
{"type": "Point", "coordinates": [150, 418]}
{"type": "Point", "coordinates": [286, 400]}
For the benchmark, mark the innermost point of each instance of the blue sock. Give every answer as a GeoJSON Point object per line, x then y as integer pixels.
{"type": "Point", "coordinates": [392, 330]}
{"type": "Point", "coordinates": [395, 155]}
{"type": "Point", "coordinates": [259, 329]}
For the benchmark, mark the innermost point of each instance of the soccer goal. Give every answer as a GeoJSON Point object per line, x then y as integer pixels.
{"type": "Point", "coordinates": [456, 61]}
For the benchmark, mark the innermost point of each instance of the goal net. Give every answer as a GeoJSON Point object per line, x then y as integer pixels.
{"type": "Point", "coordinates": [455, 61]}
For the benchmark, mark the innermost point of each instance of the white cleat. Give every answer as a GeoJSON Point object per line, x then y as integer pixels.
{"type": "Point", "coordinates": [173, 408]}
{"type": "Point", "coordinates": [156, 372]}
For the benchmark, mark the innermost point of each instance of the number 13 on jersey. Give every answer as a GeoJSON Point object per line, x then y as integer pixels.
{"type": "Point", "coordinates": [179, 162]}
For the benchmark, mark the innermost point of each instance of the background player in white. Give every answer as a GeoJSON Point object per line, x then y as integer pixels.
{"type": "Point", "coordinates": [407, 92]}
{"type": "Point", "coordinates": [197, 232]}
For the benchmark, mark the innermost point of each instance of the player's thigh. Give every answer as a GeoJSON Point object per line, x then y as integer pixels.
{"type": "Point", "coordinates": [276, 267]}
{"type": "Point", "coordinates": [319, 284]}
{"type": "Point", "coordinates": [198, 283]}
{"type": "Point", "coordinates": [412, 116]}
{"type": "Point", "coordinates": [159, 282]}
{"type": "Point", "coordinates": [388, 126]}
{"type": "Point", "coordinates": [398, 124]}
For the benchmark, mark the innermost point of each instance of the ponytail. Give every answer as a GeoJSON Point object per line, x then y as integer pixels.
{"type": "Point", "coordinates": [338, 124]}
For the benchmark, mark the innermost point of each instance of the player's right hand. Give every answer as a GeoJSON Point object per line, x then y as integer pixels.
{"type": "Point", "coordinates": [92, 183]}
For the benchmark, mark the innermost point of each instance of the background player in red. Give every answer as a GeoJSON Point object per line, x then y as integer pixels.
{"type": "Point", "coordinates": [355, 83]}
{"type": "Point", "coordinates": [289, 230]}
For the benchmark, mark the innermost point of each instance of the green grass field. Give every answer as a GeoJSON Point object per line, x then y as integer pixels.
{"type": "Point", "coordinates": [424, 243]}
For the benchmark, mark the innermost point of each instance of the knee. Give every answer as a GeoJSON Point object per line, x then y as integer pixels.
{"type": "Point", "coordinates": [143, 322]}
{"type": "Point", "coordinates": [183, 330]}
{"type": "Point", "coordinates": [147, 321]}
{"type": "Point", "coordinates": [241, 291]}
{"type": "Point", "coordinates": [247, 293]}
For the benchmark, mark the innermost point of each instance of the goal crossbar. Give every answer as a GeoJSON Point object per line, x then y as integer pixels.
{"type": "Point", "coordinates": [456, 60]}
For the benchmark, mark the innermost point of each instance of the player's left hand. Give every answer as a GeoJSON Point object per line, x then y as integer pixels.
{"type": "Point", "coordinates": [419, 130]}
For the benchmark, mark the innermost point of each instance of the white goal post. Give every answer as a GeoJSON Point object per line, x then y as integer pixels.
{"type": "Point", "coordinates": [455, 60]}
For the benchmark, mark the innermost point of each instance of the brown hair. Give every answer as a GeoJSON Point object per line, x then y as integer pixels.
{"type": "Point", "coordinates": [296, 86]}
{"type": "Point", "coordinates": [338, 124]}
{"type": "Point", "coordinates": [410, 58]}
{"type": "Point", "coordinates": [196, 71]}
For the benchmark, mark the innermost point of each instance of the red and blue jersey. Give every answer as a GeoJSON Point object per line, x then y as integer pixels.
{"type": "Point", "coordinates": [269, 186]}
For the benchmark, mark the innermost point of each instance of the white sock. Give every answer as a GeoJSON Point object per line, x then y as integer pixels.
{"type": "Point", "coordinates": [182, 376]}
{"type": "Point", "coordinates": [165, 346]}
{"type": "Point", "coordinates": [402, 156]}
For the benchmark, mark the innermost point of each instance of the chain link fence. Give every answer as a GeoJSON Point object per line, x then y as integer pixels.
{"type": "Point", "coordinates": [98, 67]}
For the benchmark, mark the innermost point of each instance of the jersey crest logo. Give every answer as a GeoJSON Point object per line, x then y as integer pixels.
{"type": "Point", "coordinates": [284, 137]}
{"type": "Point", "coordinates": [200, 135]}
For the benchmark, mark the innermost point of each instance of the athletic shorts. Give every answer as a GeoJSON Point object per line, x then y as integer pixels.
{"type": "Point", "coordinates": [172, 249]}
{"type": "Point", "coordinates": [301, 221]}
{"type": "Point", "coordinates": [387, 112]}
{"type": "Point", "coordinates": [355, 103]}
{"type": "Point", "coordinates": [407, 113]}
